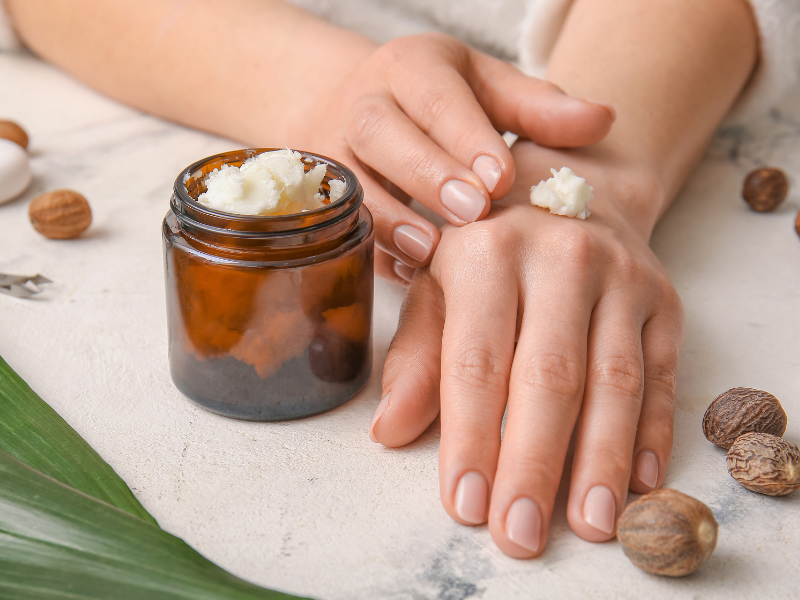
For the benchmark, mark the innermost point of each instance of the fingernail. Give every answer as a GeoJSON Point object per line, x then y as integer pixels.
{"type": "Point", "coordinates": [379, 410]}
{"type": "Point", "coordinates": [403, 271]}
{"type": "Point", "coordinates": [463, 200]}
{"type": "Point", "coordinates": [646, 468]}
{"type": "Point", "coordinates": [488, 170]}
{"type": "Point", "coordinates": [599, 508]}
{"type": "Point", "coordinates": [413, 242]}
{"type": "Point", "coordinates": [524, 524]}
{"type": "Point", "coordinates": [471, 495]}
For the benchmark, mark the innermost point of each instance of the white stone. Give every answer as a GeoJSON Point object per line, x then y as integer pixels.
{"type": "Point", "coordinates": [15, 171]}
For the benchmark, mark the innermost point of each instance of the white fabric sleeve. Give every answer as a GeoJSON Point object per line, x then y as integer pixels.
{"type": "Point", "coordinates": [8, 39]}
{"type": "Point", "coordinates": [777, 72]}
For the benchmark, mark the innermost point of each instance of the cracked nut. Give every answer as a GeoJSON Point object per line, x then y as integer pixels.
{"type": "Point", "coordinates": [667, 532]}
{"type": "Point", "coordinates": [11, 131]}
{"type": "Point", "coordinates": [742, 410]}
{"type": "Point", "coordinates": [765, 463]}
{"type": "Point", "coordinates": [764, 189]}
{"type": "Point", "coordinates": [60, 214]}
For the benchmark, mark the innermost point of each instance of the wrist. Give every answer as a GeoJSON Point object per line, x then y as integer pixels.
{"type": "Point", "coordinates": [623, 188]}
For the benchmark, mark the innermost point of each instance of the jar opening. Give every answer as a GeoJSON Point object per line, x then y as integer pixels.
{"type": "Point", "coordinates": [191, 183]}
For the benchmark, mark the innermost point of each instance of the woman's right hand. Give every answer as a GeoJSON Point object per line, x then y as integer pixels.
{"type": "Point", "coordinates": [417, 117]}
{"type": "Point", "coordinates": [420, 116]}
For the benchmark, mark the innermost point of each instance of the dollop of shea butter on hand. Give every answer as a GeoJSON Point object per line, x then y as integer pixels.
{"type": "Point", "coordinates": [563, 194]}
{"type": "Point", "coordinates": [271, 183]}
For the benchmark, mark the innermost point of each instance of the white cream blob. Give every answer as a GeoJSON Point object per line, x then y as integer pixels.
{"type": "Point", "coordinates": [267, 184]}
{"type": "Point", "coordinates": [15, 170]}
{"type": "Point", "coordinates": [563, 194]}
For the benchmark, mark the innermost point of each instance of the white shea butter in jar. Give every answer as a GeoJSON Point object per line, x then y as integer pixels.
{"type": "Point", "coordinates": [563, 194]}
{"type": "Point", "coordinates": [270, 183]}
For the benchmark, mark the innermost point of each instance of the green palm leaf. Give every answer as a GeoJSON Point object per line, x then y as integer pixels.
{"type": "Point", "coordinates": [56, 542]}
{"type": "Point", "coordinates": [33, 433]}
{"type": "Point", "coordinates": [71, 529]}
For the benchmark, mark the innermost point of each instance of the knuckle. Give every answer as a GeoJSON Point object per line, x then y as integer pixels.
{"type": "Point", "coordinates": [483, 242]}
{"type": "Point", "coordinates": [369, 120]}
{"type": "Point", "coordinates": [631, 269]}
{"type": "Point", "coordinates": [659, 422]}
{"type": "Point", "coordinates": [663, 378]}
{"type": "Point", "coordinates": [615, 458]}
{"type": "Point", "coordinates": [576, 247]}
{"type": "Point", "coordinates": [476, 365]}
{"type": "Point", "coordinates": [420, 165]}
{"type": "Point", "coordinates": [558, 372]}
{"type": "Point", "coordinates": [486, 239]}
{"type": "Point", "coordinates": [398, 49]}
{"type": "Point", "coordinates": [411, 51]}
{"type": "Point", "coordinates": [540, 467]}
{"type": "Point", "coordinates": [434, 104]}
{"type": "Point", "coordinates": [619, 373]}
{"type": "Point", "coordinates": [420, 363]}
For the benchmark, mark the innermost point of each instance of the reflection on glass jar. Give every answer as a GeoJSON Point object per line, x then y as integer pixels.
{"type": "Point", "coordinates": [270, 317]}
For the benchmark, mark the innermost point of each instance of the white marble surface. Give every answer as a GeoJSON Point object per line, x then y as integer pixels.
{"type": "Point", "coordinates": [313, 507]}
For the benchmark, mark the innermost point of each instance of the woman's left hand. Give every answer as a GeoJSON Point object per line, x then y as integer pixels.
{"type": "Point", "coordinates": [560, 320]}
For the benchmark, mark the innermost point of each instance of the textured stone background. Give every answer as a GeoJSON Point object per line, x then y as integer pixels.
{"type": "Point", "coordinates": [313, 506]}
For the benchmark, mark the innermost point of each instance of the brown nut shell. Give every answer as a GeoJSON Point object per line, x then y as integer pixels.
{"type": "Point", "coordinates": [60, 214]}
{"type": "Point", "coordinates": [797, 223]}
{"type": "Point", "coordinates": [765, 464]}
{"type": "Point", "coordinates": [11, 131]}
{"type": "Point", "coordinates": [668, 533]}
{"type": "Point", "coordinates": [742, 410]}
{"type": "Point", "coordinates": [764, 189]}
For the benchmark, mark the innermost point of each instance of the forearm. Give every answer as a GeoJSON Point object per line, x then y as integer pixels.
{"type": "Point", "coordinates": [670, 68]}
{"type": "Point", "coordinates": [240, 68]}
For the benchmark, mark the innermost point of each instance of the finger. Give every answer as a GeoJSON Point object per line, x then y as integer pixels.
{"type": "Point", "coordinates": [477, 348]}
{"type": "Point", "coordinates": [546, 389]}
{"type": "Point", "coordinates": [444, 107]}
{"type": "Point", "coordinates": [391, 269]}
{"type": "Point", "coordinates": [386, 140]}
{"type": "Point", "coordinates": [399, 231]}
{"type": "Point", "coordinates": [410, 400]}
{"type": "Point", "coordinates": [535, 108]}
{"type": "Point", "coordinates": [609, 417]}
{"type": "Point", "coordinates": [661, 342]}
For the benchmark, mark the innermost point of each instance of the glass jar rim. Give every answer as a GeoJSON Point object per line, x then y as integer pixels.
{"type": "Point", "coordinates": [190, 211]}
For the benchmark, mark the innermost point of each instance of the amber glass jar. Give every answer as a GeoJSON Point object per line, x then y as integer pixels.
{"type": "Point", "coordinates": [270, 317]}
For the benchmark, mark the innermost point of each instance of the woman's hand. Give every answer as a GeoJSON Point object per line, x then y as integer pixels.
{"type": "Point", "coordinates": [420, 117]}
{"type": "Point", "coordinates": [598, 329]}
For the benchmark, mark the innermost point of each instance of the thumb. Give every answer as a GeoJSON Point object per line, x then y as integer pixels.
{"type": "Point", "coordinates": [412, 370]}
{"type": "Point", "coordinates": [535, 108]}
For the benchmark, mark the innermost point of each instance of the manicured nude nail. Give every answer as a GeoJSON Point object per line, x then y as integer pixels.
{"type": "Point", "coordinates": [403, 271]}
{"type": "Point", "coordinates": [646, 468]}
{"type": "Point", "coordinates": [599, 508]}
{"type": "Point", "coordinates": [463, 200]}
{"type": "Point", "coordinates": [524, 524]}
{"type": "Point", "coordinates": [472, 494]}
{"type": "Point", "coordinates": [413, 242]}
{"type": "Point", "coordinates": [488, 170]}
{"type": "Point", "coordinates": [379, 410]}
